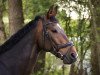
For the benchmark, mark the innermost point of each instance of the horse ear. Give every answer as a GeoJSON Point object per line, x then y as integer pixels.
{"type": "Point", "coordinates": [52, 11]}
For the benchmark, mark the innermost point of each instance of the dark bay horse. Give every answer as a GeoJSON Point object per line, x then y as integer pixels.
{"type": "Point", "coordinates": [18, 54]}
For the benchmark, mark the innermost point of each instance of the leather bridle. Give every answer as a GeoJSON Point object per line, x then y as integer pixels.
{"type": "Point", "coordinates": [55, 46]}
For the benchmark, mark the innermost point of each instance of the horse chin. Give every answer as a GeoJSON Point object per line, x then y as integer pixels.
{"type": "Point", "coordinates": [68, 61]}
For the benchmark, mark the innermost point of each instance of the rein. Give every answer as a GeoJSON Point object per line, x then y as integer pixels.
{"type": "Point", "coordinates": [55, 47]}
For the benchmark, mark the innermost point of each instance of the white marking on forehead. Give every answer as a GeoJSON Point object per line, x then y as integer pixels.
{"type": "Point", "coordinates": [59, 28]}
{"type": "Point", "coordinates": [59, 25]}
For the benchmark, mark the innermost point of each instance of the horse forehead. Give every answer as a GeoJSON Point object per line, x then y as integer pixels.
{"type": "Point", "coordinates": [59, 28]}
{"type": "Point", "coordinates": [58, 25]}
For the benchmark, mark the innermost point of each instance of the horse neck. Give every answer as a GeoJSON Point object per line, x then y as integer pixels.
{"type": "Point", "coordinates": [24, 52]}
{"type": "Point", "coordinates": [33, 55]}
{"type": "Point", "coordinates": [32, 60]}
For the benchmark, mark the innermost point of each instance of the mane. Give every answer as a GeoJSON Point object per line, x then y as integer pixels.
{"type": "Point", "coordinates": [14, 39]}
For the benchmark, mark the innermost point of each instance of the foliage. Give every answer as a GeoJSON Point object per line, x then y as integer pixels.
{"type": "Point", "coordinates": [34, 7]}
{"type": "Point", "coordinates": [53, 66]}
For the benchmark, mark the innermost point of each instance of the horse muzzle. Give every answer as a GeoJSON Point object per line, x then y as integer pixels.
{"type": "Point", "coordinates": [69, 59]}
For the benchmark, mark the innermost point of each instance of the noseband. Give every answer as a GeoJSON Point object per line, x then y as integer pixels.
{"type": "Point", "coordinates": [55, 46]}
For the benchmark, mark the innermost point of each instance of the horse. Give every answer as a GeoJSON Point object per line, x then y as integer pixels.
{"type": "Point", "coordinates": [19, 53]}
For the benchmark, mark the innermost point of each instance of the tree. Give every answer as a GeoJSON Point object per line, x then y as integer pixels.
{"type": "Point", "coordinates": [2, 30]}
{"type": "Point", "coordinates": [95, 35]}
{"type": "Point", "coordinates": [16, 18]}
{"type": "Point", "coordinates": [77, 29]}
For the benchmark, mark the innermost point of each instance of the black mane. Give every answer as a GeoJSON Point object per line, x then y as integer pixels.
{"type": "Point", "coordinates": [19, 35]}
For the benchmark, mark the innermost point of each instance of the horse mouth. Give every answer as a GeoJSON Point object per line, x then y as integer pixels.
{"type": "Point", "coordinates": [68, 60]}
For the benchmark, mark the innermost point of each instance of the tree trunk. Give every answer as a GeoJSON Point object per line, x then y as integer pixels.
{"type": "Point", "coordinates": [94, 58]}
{"type": "Point", "coordinates": [2, 30]}
{"type": "Point", "coordinates": [16, 18]}
{"type": "Point", "coordinates": [95, 36]}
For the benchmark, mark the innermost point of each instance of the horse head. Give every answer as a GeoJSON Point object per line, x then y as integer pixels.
{"type": "Point", "coordinates": [52, 38]}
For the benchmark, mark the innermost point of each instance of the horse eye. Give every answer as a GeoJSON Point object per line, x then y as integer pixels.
{"type": "Point", "coordinates": [54, 31]}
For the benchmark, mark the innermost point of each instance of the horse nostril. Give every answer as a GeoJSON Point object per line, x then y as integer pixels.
{"type": "Point", "coordinates": [73, 55]}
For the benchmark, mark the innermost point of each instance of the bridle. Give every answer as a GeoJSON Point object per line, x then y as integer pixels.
{"type": "Point", "coordinates": [55, 46]}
